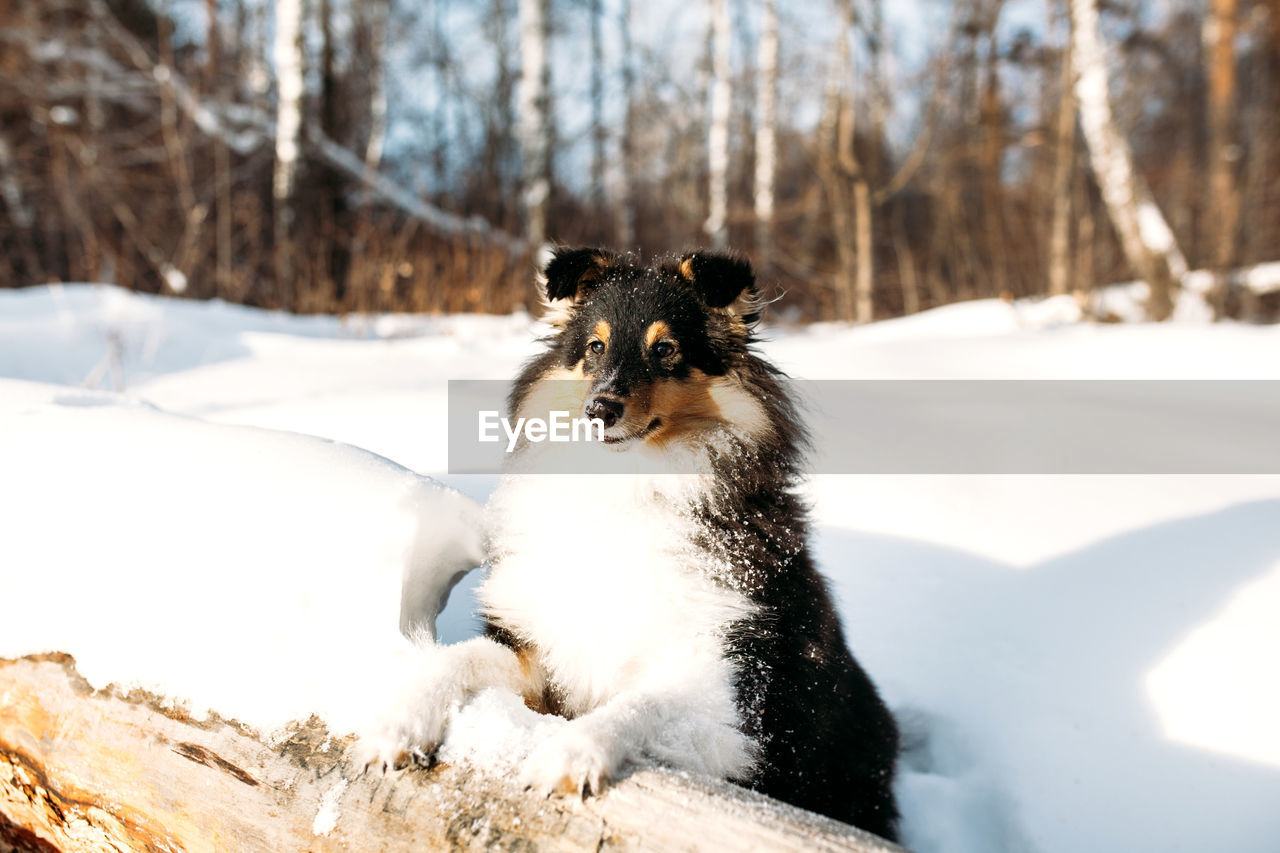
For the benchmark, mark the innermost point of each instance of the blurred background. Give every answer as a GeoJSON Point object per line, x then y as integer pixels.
{"type": "Point", "coordinates": [873, 159]}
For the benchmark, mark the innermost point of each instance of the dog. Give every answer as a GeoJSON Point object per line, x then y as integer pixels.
{"type": "Point", "coordinates": [662, 596]}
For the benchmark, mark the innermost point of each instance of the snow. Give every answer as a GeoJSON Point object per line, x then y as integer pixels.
{"type": "Point", "coordinates": [327, 815]}
{"type": "Point", "coordinates": [1078, 663]}
{"type": "Point", "coordinates": [258, 574]}
{"type": "Point", "coordinates": [496, 731]}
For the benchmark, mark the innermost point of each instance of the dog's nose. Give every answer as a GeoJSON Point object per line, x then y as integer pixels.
{"type": "Point", "coordinates": [609, 411]}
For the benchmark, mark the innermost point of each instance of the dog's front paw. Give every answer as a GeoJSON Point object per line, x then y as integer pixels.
{"type": "Point", "coordinates": [575, 760]}
{"type": "Point", "coordinates": [386, 751]}
{"type": "Point", "coordinates": [408, 735]}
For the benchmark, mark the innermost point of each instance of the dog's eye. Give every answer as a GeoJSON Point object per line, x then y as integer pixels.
{"type": "Point", "coordinates": [662, 349]}
{"type": "Point", "coordinates": [596, 347]}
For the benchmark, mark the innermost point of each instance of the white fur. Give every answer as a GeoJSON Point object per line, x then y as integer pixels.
{"type": "Point", "coordinates": [439, 679]}
{"type": "Point", "coordinates": [599, 574]}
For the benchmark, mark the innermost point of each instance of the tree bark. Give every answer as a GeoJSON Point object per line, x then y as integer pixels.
{"type": "Point", "coordinates": [626, 146]}
{"type": "Point", "coordinates": [991, 114]}
{"type": "Point", "coordinates": [834, 189]}
{"type": "Point", "coordinates": [907, 276]}
{"type": "Point", "coordinates": [1064, 157]}
{"type": "Point", "coordinates": [535, 119]}
{"type": "Point", "coordinates": [717, 224]}
{"type": "Point", "coordinates": [596, 12]}
{"type": "Point", "coordinates": [1224, 151]}
{"type": "Point", "coordinates": [1145, 237]}
{"type": "Point", "coordinates": [378, 13]}
{"type": "Point", "coordinates": [766, 131]}
{"type": "Point", "coordinates": [289, 94]}
{"type": "Point", "coordinates": [86, 771]}
{"type": "Point", "coordinates": [856, 287]}
{"type": "Point", "coordinates": [864, 307]}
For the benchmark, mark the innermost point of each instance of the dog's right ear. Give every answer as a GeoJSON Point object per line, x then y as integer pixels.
{"type": "Point", "coordinates": [567, 276]}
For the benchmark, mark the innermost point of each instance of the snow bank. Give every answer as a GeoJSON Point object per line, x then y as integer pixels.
{"type": "Point", "coordinates": [256, 573]}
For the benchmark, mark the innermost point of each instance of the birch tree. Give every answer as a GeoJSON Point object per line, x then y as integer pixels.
{"type": "Point", "coordinates": [535, 120]}
{"type": "Point", "coordinates": [595, 11]}
{"type": "Point", "coordinates": [1145, 237]}
{"type": "Point", "coordinates": [846, 180]}
{"type": "Point", "coordinates": [1064, 157]}
{"type": "Point", "coordinates": [766, 130]}
{"type": "Point", "coordinates": [377, 14]}
{"type": "Point", "coordinates": [626, 147]}
{"type": "Point", "coordinates": [835, 189]}
{"type": "Point", "coordinates": [288, 136]}
{"type": "Point", "coordinates": [1220, 56]}
{"type": "Point", "coordinates": [717, 224]}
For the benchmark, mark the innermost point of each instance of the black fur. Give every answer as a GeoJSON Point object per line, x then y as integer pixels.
{"type": "Point", "coordinates": [828, 742]}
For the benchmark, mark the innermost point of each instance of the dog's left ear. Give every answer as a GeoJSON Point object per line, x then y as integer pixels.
{"type": "Point", "coordinates": [566, 277]}
{"type": "Point", "coordinates": [724, 282]}
{"type": "Point", "coordinates": [572, 273]}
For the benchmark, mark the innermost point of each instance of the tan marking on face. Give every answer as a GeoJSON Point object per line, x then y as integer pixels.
{"type": "Point", "coordinates": [601, 331]}
{"type": "Point", "coordinates": [686, 268]}
{"type": "Point", "coordinates": [700, 403]}
{"type": "Point", "coordinates": [656, 332]}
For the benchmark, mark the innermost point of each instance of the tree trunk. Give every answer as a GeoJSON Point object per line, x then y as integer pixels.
{"type": "Point", "coordinates": [907, 277]}
{"type": "Point", "coordinates": [212, 47]}
{"type": "Point", "coordinates": [87, 771]}
{"type": "Point", "coordinates": [1064, 157]}
{"type": "Point", "coordinates": [766, 132]}
{"type": "Point", "coordinates": [857, 303]}
{"type": "Point", "coordinates": [290, 89]}
{"type": "Point", "coordinates": [440, 72]}
{"type": "Point", "coordinates": [1224, 200]}
{"type": "Point", "coordinates": [834, 188]}
{"type": "Point", "coordinates": [626, 146]}
{"type": "Point", "coordinates": [535, 119]}
{"type": "Point", "coordinates": [378, 13]}
{"type": "Point", "coordinates": [1145, 237]}
{"type": "Point", "coordinates": [503, 138]}
{"type": "Point", "coordinates": [717, 224]}
{"type": "Point", "coordinates": [223, 286]}
{"type": "Point", "coordinates": [1262, 128]}
{"type": "Point", "coordinates": [864, 308]}
{"type": "Point", "coordinates": [595, 11]}
{"type": "Point", "coordinates": [991, 114]}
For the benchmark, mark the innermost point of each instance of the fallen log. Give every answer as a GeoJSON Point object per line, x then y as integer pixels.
{"type": "Point", "coordinates": [86, 770]}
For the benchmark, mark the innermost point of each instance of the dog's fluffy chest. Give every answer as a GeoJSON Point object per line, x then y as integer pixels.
{"type": "Point", "coordinates": [601, 577]}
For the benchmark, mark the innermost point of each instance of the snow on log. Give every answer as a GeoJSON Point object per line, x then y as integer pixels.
{"type": "Point", "coordinates": [85, 770]}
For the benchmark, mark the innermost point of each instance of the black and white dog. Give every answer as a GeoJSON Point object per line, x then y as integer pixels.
{"type": "Point", "coordinates": [672, 614]}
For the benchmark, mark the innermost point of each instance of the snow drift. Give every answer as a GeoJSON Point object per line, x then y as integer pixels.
{"type": "Point", "coordinates": [264, 575]}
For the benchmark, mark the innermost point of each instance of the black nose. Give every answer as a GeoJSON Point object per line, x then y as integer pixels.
{"type": "Point", "coordinates": [609, 411]}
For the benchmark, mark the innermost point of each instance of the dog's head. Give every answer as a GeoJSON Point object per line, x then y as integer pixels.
{"type": "Point", "coordinates": [653, 351]}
